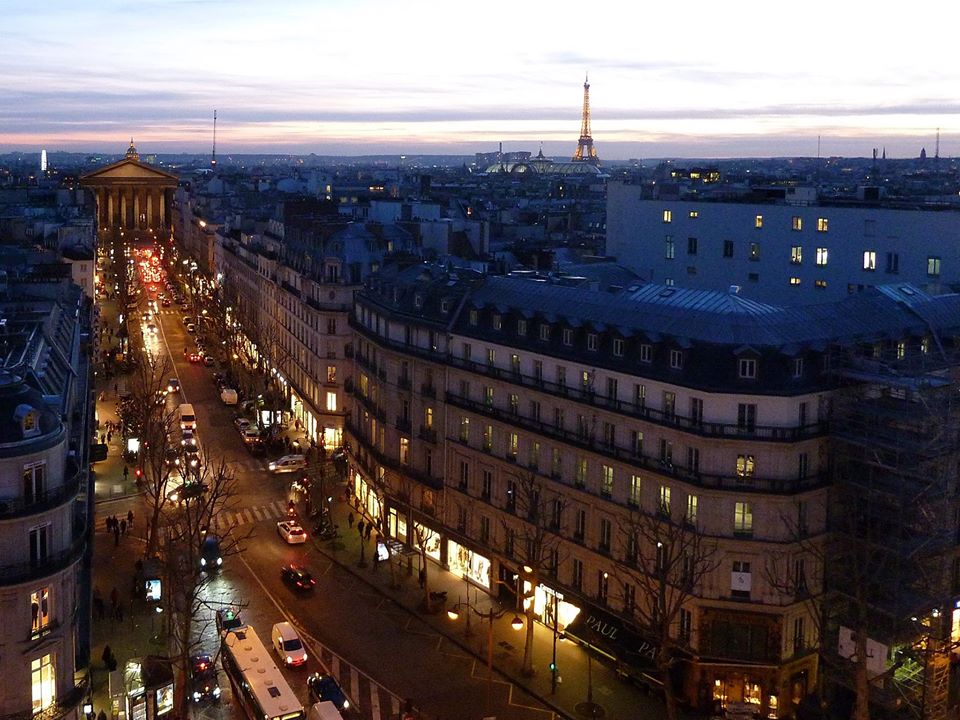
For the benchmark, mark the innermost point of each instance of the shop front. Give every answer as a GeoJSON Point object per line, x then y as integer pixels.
{"type": "Point", "coordinates": [468, 564]}
{"type": "Point", "coordinates": [612, 637]}
{"type": "Point", "coordinates": [365, 496]}
{"type": "Point", "coordinates": [148, 688]}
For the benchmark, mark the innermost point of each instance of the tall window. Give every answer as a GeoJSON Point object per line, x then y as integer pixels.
{"type": "Point", "coordinates": [692, 246]}
{"type": "Point", "coordinates": [43, 681]}
{"type": "Point", "coordinates": [933, 266]}
{"type": "Point", "coordinates": [728, 248]}
{"type": "Point", "coordinates": [669, 404]}
{"type": "Point", "coordinates": [869, 260]}
{"type": "Point", "coordinates": [544, 331]}
{"type": "Point", "coordinates": [745, 465]}
{"type": "Point", "coordinates": [668, 247]}
{"type": "Point", "coordinates": [746, 417]}
{"type": "Point", "coordinates": [576, 574]}
{"type": "Point", "coordinates": [754, 251]}
{"type": "Point", "coordinates": [39, 544]}
{"type": "Point", "coordinates": [796, 254]}
{"type": "Point", "coordinates": [488, 438]}
{"type": "Point", "coordinates": [636, 442]}
{"type": "Point", "coordinates": [581, 478]}
{"type": "Point", "coordinates": [822, 224]}
{"type": "Point", "coordinates": [692, 502]}
{"type": "Point", "coordinates": [331, 373]}
{"type": "Point", "coordinates": [822, 256]}
{"type": "Point", "coordinates": [428, 418]}
{"type": "Point", "coordinates": [40, 611]}
{"type": "Point", "coordinates": [676, 359]}
{"type": "Point", "coordinates": [797, 223]}
{"type": "Point", "coordinates": [34, 482]}
{"type": "Point", "coordinates": [331, 402]}
{"type": "Point", "coordinates": [664, 502]}
{"type": "Point", "coordinates": [618, 347]}
{"type": "Point", "coordinates": [513, 446]}
{"type": "Point", "coordinates": [668, 216]}
{"type": "Point", "coordinates": [606, 481]}
{"type": "Point", "coordinates": [464, 475]}
{"type": "Point", "coordinates": [893, 262]}
{"type": "Point", "coordinates": [696, 410]}
{"type": "Point", "coordinates": [758, 221]}
{"type": "Point", "coordinates": [634, 497]}
{"type": "Point", "coordinates": [747, 368]}
{"type": "Point", "coordinates": [464, 429]}
{"type": "Point", "coordinates": [567, 336]}
{"type": "Point", "coordinates": [742, 519]}
{"type": "Point", "coordinates": [646, 353]}
{"type": "Point", "coordinates": [404, 451]}
{"type": "Point", "coordinates": [606, 533]}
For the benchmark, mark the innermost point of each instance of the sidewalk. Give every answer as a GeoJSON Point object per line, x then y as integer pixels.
{"type": "Point", "coordinates": [578, 676]}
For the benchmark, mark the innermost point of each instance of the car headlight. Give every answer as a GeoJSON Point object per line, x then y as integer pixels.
{"type": "Point", "coordinates": [219, 561]}
{"type": "Point", "coordinates": [196, 696]}
{"type": "Point", "coordinates": [216, 692]}
{"type": "Point", "coordinates": [203, 562]}
{"type": "Point", "coordinates": [346, 704]}
{"type": "Point", "coordinates": [289, 659]}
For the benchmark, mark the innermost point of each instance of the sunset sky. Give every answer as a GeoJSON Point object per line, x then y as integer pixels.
{"type": "Point", "coordinates": [348, 77]}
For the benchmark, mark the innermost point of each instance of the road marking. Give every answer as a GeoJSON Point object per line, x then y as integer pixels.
{"type": "Point", "coordinates": [374, 700]}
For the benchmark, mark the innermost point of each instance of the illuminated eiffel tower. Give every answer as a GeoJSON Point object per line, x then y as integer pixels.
{"type": "Point", "coordinates": [586, 152]}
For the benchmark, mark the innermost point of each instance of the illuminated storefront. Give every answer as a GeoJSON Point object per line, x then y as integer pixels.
{"type": "Point", "coordinates": [431, 539]}
{"type": "Point", "coordinates": [549, 604]}
{"type": "Point", "coordinates": [466, 563]}
{"type": "Point", "coordinates": [369, 501]}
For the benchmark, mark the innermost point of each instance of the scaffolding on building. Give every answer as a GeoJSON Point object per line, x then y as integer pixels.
{"type": "Point", "coordinates": [890, 568]}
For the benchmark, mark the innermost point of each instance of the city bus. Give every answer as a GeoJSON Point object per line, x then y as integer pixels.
{"type": "Point", "coordinates": [257, 683]}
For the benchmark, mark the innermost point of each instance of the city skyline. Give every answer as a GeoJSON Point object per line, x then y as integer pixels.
{"type": "Point", "coordinates": [339, 78]}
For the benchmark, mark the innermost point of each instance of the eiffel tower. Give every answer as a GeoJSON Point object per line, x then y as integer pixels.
{"type": "Point", "coordinates": [586, 152]}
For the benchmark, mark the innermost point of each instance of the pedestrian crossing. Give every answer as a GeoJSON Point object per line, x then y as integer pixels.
{"type": "Point", "coordinates": [371, 699]}
{"type": "Point", "coordinates": [274, 511]}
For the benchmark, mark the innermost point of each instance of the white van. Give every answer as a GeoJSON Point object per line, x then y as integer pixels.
{"type": "Point", "coordinates": [288, 464]}
{"type": "Point", "coordinates": [188, 419]}
{"type": "Point", "coordinates": [288, 644]}
{"type": "Point", "coordinates": [229, 396]}
{"type": "Point", "coordinates": [325, 710]}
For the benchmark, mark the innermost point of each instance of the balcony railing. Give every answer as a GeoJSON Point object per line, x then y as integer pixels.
{"type": "Point", "coordinates": [726, 482]}
{"type": "Point", "coordinates": [428, 434]}
{"type": "Point", "coordinates": [420, 476]}
{"type": "Point", "coordinates": [49, 499]}
{"type": "Point", "coordinates": [15, 573]}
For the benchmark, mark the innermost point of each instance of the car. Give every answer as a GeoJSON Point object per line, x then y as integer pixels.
{"type": "Point", "coordinates": [251, 435]}
{"type": "Point", "coordinates": [173, 385]}
{"type": "Point", "coordinates": [208, 360]}
{"type": "Point", "coordinates": [210, 558]}
{"type": "Point", "coordinates": [187, 491]}
{"type": "Point", "coordinates": [325, 688]}
{"type": "Point", "coordinates": [192, 458]}
{"type": "Point", "coordinates": [297, 577]}
{"type": "Point", "coordinates": [291, 532]}
{"type": "Point", "coordinates": [203, 678]}
{"type": "Point", "coordinates": [187, 319]}
{"type": "Point", "coordinates": [195, 357]}
{"type": "Point", "coordinates": [165, 302]}
{"type": "Point", "coordinates": [191, 328]}
{"type": "Point", "coordinates": [241, 423]}
{"type": "Point", "coordinates": [188, 439]}
{"type": "Point", "coordinates": [288, 464]}
{"type": "Point", "coordinates": [228, 619]}
{"type": "Point", "coordinates": [288, 644]}
{"type": "Point", "coordinates": [171, 457]}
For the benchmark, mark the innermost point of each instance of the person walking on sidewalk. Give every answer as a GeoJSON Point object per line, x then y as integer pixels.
{"type": "Point", "coordinates": [350, 520]}
{"type": "Point", "coordinates": [107, 656]}
{"type": "Point", "coordinates": [119, 614]}
{"type": "Point", "coordinates": [116, 534]}
{"type": "Point", "coordinates": [126, 472]}
{"type": "Point", "coordinates": [123, 527]}
{"type": "Point", "coordinates": [130, 519]}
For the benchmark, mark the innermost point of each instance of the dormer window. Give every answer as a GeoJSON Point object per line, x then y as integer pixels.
{"type": "Point", "coordinates": [676, 359]}
{"type": "Point", "coordinates": [444, 306]}
{"type": "Point", "coordinates": [747, 368]}
{"type": "Point", "coordinates": [474, 317]}
{"type": "Point", "coordinates": [544, 332]}
{"type": "Point", "coordinates": [591, 341]}
{"type": "Point", "coordinates": [567, 336]}
{"type": "Point", "coordinates": [497, 322]}
{"type": "Point", "coordinates": [29, 420]}
{"type": "Point", "coordinates": [418, 300]}
{"type": "Point", "coordinates": [521, 328]}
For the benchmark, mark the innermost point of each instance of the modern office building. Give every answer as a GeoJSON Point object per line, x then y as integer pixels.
{"type": "Point", "coordinates": [44, 500]}
{"type": "Point", "coordinates": [784, 246]}
{"type": "Point", "coordinates": [508, 428]}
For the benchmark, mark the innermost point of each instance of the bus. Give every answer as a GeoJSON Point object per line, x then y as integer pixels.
{"type": "Point", "coordinates": [257, 683]}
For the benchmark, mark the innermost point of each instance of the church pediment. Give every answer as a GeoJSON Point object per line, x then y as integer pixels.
{"type": "Point", "coordinates": [128, 170]}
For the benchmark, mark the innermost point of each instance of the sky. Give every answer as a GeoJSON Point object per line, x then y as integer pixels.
{"type": "Point", "coordinates": [696, 78]}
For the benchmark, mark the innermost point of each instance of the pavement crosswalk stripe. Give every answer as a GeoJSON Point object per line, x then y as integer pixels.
{"type": "Point", "coordinates": [258, 514]}
{"type": "Point", "coordinates": [335, 666]}
{"type": "Point", "coordinates": [374, 699]}
{"type": "Point", "coordinates": [247, 516]}
{"type": "Point", "coordinates": [279, 508]}
{"type": "Point", "coordinates": [394, 706]}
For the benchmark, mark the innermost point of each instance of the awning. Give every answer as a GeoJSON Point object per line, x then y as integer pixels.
{"type": "Point", "coordinates": [608, 634]}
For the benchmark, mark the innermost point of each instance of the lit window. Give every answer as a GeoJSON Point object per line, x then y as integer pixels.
{"type": "Point", "coordinates": [668, 250]}
{"type": "Point", "coordinates": [591, 341]}
{"type": "Point", "coordinates": [797, 223]}
{"type": "Point", "coordinates": [754, 251]}
{"type": "Point", "coordinates": [488, 438]}
{"type": "Point", "coordinates": [567, 336]}
{"type": "Point", "coordinates": [933, 266]}
{"type": "Point", "coordinates": [822, 254]}
{"type": "Point", "coordinates": [676, 359]}
{"type": "Point", "coordinates": [743, 519]}
{"type": "Point", "coordinates": [668, 216]}
{"type": "Point", "coordinates": [40, 611]}
{"type": "Point", "coordinates": [822, 224]}
{"type": "Point", "coordinates": [869, 260]}
{"type": "Point", "coordinates": [794, 281]}
{"type": "Point", "coordinates": [692, 502]}
{"type": "Point", "coordinates": [331, 373]}
{"type": "Point", "coordinates": [796, 254]}
{"type": "Point", "coordinates": [618, 347]}
{"type": "Point", "coordinates": [428, 418]}
{"type": "Point", "coordinates": [331, 402]}
{"type": "Point", "coordinates": [901, 350]}
{"type": "Point", "coordinates": [747, 368]}
{"type": "Point", "coordinates": [664, 504]}
{"type": "Point", "coordinates": [820, 283]}
{"type": "Point", "coordinates": [513, 446]}
{"type": "Point", "coordinates": [634, 498]}
{"type": "Point", "coordinates": [606, 487]}
{"type": "Point", "coordinates": [464, 429]}
{"type": "Point", "coordinates": [491, 356]}
{"type": "Point", "coordinates": [925, 345]}
{"type": "Point", "coordinates": [404, 451]}
{"type": "Point", "coordinates": [43, 681]}
{"type": "Point", "coordinates": [694, 214]}
{"type": "Point", "coordinates": [745, 465]}
{"type": "Point", "coordinates": [758, 221]}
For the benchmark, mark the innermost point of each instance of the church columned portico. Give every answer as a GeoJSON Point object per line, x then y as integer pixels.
{"type": "Point", "coordinates": [131, 195]}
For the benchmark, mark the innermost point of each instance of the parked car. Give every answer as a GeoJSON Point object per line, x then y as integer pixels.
{"type": "Point", "coordinates": [288, 644]}
{"type": "Point", "coordinates": [173, 385]}
{"type": "Point", "coordinates": [288, 464]}
{"type": "Point", "coordinates": [208, 360]}
{"type": "Point", "coordinates": [241, 424]}
{"type": "Point", "coordinates": [203, 678]}
{"type": "Point", "coordinates": [297, 577]}
{"type": "Point", "coordinates": [326, 688]}
{"type": "Point", "coordinates": [291, 532]}
{"type": "Point", "coordinates": [252, 434]}
{"type": "Point", "coordinates": [191, 328]}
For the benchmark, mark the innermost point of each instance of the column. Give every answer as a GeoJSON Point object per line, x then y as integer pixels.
{"type": "Point", "coordinates": [150, 222]}
{"type": "Point", "coordinates": [110, 222]}
{"type": "Point", "coordinates": [123, 208]}
{"type": "Point", "coordinates": [136, 208]}
{"type": "Point", "coordinates": [163, 208]}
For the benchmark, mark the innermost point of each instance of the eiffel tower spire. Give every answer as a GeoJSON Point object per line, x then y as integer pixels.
{"type": "Point", "coordinates": [586, 152]}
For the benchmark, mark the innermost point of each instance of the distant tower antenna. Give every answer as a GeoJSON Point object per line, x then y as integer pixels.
{"type": "Point", "coordinates": [213, 158]}
{"type": "Point", "coordinates": [586, 152]}
{"type": "Point", "coordinates": [936, 153]}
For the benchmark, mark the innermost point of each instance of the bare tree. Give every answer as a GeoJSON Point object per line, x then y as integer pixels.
{"type": "Point", "coordinates": [666, 561]}
{"type": "Point", "coordinates": [535, 531]}
{"type": "Point", "coordinates": [186, 524]}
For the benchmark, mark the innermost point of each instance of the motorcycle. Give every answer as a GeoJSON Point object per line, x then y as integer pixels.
{"type": "Point", "coordinates": [325, 531]}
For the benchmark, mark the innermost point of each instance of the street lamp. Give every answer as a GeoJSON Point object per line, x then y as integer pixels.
{"type": "Point", "coordinates": [490, 615]}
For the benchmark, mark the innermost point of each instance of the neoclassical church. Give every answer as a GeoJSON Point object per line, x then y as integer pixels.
{"type": "Point", "coordinates": [131, 195]}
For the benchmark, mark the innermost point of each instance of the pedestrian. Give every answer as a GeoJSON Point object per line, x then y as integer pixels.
{"type": "Point", "coordinates": [123, 527]}
{"type": "Point", "coordinates": [103, 438]}
{"type": "Point", "coordinates": [114, 599]}
{"type": "Point", "coordinates": [369, 529]}
{"type": "Point", "coordinates": [119, 614]}
{"type": "Point", "coordinates": [350, 520]}
{"type": "Point", "coordinates": [109, 436]}
{"type": "Point", "coordinates": [126, 472]}
{"type": "Point", "coordinates": [360, 529]}
{"type": "Point", "coordinates": [130, 519]}
{"type": "Point", "coordinates": [422, 577]}
{"type": "Point", "coordinates": [116, 535]}
{"type": "Point", "coordinates": [101, 715]}
{"type": "Point", "coordinates": [106, 656]}
{"type": "Point", "coordinates": [106, 522]}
